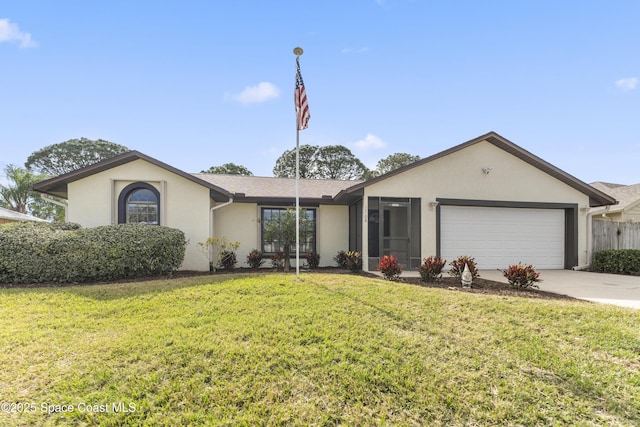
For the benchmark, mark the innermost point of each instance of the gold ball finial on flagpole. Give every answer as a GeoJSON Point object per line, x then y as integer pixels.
{"type": "Point", "coordinates": [297, 51]}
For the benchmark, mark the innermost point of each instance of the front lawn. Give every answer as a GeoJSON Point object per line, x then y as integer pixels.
{"type": "Point", "coordinates": [330, 349]}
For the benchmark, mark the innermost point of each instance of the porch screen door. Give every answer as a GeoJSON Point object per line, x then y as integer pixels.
{"type": "Point", "coordinates": [396, 229]}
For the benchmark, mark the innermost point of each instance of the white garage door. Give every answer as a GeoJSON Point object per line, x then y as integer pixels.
{"type": "Point", "coordinates": [499, 237]}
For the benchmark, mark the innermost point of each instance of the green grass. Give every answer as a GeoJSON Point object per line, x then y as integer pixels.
{"type": "Point", "coordinates": [327, 350]}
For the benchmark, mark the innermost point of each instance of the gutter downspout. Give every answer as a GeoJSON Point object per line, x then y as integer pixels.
{"type": "Point", "coordinates": [590, 237]}
{"type": "Point", "coordinates": [49, 199]}
{"type": "Point", "coordinates": [211, 222]}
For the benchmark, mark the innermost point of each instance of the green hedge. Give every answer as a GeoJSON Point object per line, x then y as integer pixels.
{"type": "Point", "coordinates": [41, 252]}
{"type": "Point", "coordinates": [620, 261]}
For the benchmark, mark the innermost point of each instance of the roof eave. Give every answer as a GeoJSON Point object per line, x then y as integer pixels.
{"type": "Point", "coordinates": [58, 186]}
{"type": "Point", "coordinates": [596, 197]}
{"type": "Point", "coordinates": [287, 201]}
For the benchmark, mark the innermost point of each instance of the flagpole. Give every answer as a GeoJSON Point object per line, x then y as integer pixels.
{"type": "Point", "coordinates": [297, 51]}
{"type": "Point", "coordinates": [297, 202]}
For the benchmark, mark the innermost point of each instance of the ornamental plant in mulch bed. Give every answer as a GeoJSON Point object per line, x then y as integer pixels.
{"type": "Point", "coordinates": [313, 260]}
{"type": "Point", "coordinates": [457, 267]}
{"type": "Point", "coordinates": [522, 276]}
{"type": "Point", "coordinates": [277, 261]}
{"type": "Point", "coordinates": [341, 259]}
{"type": "Point", "coordinates": [354, 261]}
{"type": "Point", "coordinates": [255, 259]}
{"type": "Point", "coordinates": [431, 268]}
{"type": "Point", "coordinates": [228, 259]}
{"type": "Point", "coordinates": [389, 267]}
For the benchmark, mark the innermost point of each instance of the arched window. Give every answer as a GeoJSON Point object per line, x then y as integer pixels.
{"type": "Point", "coordinates": [139, 203]}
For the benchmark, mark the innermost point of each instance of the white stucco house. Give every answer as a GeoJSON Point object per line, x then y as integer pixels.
{"type": "Point", "coordinates": [487, 198]}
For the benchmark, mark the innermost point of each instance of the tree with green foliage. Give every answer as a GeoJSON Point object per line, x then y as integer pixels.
{"type": "Point", "coordinates": [18, 196]}
{"type": "Point", "coordinates": [325, 162]}
{"type": "Point", "coordinates": [282, 228]}
{"type": "Point", "coordinates": [70, 155]}
{"type": "Point", "coordinates": [229, 169]}
{"type": "Point", "coordinates": [286, 164]}
{"type": "Point", "coordinates": [395, 161]}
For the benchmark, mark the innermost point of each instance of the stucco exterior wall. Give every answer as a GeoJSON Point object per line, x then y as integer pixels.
{"type": "Point", "coordinates": [459, 175]}
{"type": "Point", "coordinates": [238, 222]}
{"type": "Point", "coordinates": [93, 201]}
{"type": "Point", "coordinates": [332, 232]}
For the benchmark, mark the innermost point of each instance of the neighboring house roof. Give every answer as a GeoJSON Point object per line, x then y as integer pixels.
{"type": "Point", "coordinates": [17, 216]}
{"type": "Point", "coordinates": [596, 197]}
{"type": "Point", "coordinates": [628, 196]}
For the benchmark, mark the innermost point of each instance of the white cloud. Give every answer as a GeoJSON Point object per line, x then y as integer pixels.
{"type": "Point", "coordinates": [370, 142]}
{"type": "Point", "coordinates": [10, 32]}
{"type": "Point", "coordinates": [255, 94]}
{"type": "Point", "coordinates": [627, 84]}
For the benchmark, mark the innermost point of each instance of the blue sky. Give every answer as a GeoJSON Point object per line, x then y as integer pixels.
{"type": "Point", "coordinates": [202, 83]}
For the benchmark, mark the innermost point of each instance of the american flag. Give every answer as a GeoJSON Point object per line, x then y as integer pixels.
{"type": "Point", "coordinates": [300, 99]}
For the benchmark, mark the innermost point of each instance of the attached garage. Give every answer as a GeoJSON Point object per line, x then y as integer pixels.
{"type": "Point", "coordinates": [487, 198]}
{"type": "Point", "coordinates": [500, 236]}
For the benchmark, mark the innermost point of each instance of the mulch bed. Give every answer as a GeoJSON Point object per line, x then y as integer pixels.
{"type": "Point", "coordinates": [484, 286]}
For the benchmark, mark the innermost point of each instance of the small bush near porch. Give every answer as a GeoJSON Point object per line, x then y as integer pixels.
{"type": "Point", "coordinates": [331, 349]}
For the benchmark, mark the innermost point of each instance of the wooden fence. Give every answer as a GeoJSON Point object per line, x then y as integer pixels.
{"type": "Point", "coordinates": [615, 235]}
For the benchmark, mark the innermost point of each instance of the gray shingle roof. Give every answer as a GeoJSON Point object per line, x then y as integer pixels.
{"type": "Point", "coordinates": [276, 188]}
{"type": "Point", "coordinates": [626, 195]}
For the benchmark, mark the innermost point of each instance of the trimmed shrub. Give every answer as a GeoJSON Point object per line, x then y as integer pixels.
{"type": "Point", "coordinates": [255, 259]}
{"type": "Point", "coordinates": [618, 261]}
{"type": "Point", "coordinates": [522, 276]}
{"type": "Point", "coordinates": [313, 260]}
{"type": "Point", "coordinates": [457, 267]}
{"type": "Point", "coordinates": [389, 267]}
{"type": "Point", "coordinates": [41, 252]}
{"type": "Point", "coordinates": [431, 268]}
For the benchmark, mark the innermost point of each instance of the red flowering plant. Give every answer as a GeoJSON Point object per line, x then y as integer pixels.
{"type": "Point", "coordinates": [389, 267]}
{"type": "Point", "coordinates": [522, 276]}
{"type": "Point", "coordinates": [457, 267]}
{"type": "Point", "coordinates": [431, 268]}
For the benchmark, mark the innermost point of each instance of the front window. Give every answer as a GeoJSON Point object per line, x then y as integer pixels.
{"type": "Point", "coordinates": [276, 243]}
{"type": "Point", "coordinates": [139, 203]}
{"type": "Point", "coordinates": [142, 206]}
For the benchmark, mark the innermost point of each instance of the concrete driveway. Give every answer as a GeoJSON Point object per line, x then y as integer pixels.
{"type": "Point", "coordinates": [597, 287]}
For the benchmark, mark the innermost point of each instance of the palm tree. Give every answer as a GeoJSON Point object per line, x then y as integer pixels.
{"type": "Point", "coordinates": [18, 196]}
{"type": "Point", "coordinates": [17, 193]}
